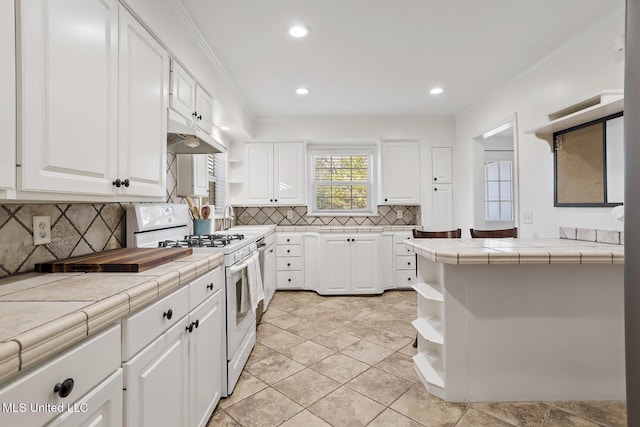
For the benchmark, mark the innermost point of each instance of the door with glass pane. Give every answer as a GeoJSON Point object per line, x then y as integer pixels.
{"type": "Point", "coordinates": [498, 189]}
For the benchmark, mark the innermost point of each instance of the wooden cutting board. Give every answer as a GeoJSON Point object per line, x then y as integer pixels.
{"type": "Point", "coordinates": [124, 260]}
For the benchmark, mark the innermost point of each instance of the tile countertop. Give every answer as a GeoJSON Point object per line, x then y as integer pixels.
{"type": "Point", "coordinates": [43, 314]}
{"type": "Point", "coordinates": [346, 228]}
{"type": "Point", "coordinates": [517, 251]}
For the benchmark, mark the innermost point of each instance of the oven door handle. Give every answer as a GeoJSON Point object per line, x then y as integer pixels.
{"type": "Point", "coordinates": [236, 268]}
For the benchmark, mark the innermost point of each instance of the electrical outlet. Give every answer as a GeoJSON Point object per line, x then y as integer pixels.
{"type": "Point", "coordinates": [41, 230]}
{"type": "Point", "coordinates": [527, 217]}
{"type": "Point", "coordinates": [289, 214]}
{"type": "Point", "coordinates": [399, 213]}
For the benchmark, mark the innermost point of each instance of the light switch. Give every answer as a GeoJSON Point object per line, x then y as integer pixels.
{"type": "Point", "coordinates": [527, 217]}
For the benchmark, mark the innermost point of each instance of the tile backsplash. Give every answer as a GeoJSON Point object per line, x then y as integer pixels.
{"type": "Point", "coordinates": [76, 229]}
{"type": "Point", "coordinates": [592, 235]}
{"type": "Point", "coordinates": [278, 215]}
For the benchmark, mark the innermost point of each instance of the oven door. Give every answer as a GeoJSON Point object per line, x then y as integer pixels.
{"type": "Point", "coordinates": [240, 316]}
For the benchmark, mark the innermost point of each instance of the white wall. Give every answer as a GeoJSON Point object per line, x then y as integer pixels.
{"type": "Point", "coordinates": [583, 67]}
{"type": "Point", "coordinates": [429, 131]}
{"type": "Point", "coordinates": [163, 19]}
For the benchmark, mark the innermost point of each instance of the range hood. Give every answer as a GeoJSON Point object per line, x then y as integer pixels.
{"type": "Point", "coordinates": [184, 138]}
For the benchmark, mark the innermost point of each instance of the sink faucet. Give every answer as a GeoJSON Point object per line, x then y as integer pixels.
{"type": "Point", "coordinates": [227, 213]}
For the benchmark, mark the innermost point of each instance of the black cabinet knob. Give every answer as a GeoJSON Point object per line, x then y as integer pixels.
{"type": "Point", "coordinates": [289, 280]}
{"type": "Point", "coordinates": [195, 114]}
{"type": "Point", "coordinates": [288, 264]}
{"type": "Point", "coordinates": [64, 388]}
{"type": "Point", "coordinates": [196, 323]}
{"type": "Point", "coordinates": [189, 328]}
{"type": "Point", "coordinates": [275, 200]}
{"type": "Point", "coordinates": [126, 182]}
{"type": "Point", "coordinates": [288, 251]}
{"type": "Point", "coordinates": [168, 314]}
{"type": "Point", "coordinates": [210, 286]}
{"type": "Point", "coordinates": [435, 178]}
{"type": "Point", "coordinates": [271, 200]}
{"type": "Point", "coordinates": [435, 189]}
{"type": "Point", "coordinates": [270, 250]}
{"type": "Point", "coordinates": [200, 117]}
{"type": "Point", "coordinates": [409, 278]}
{"type": "Point", "coordinates": [386, 200]}
{"type": "Point", "coordinates": [117, 183]}
{"type": "Point", "coordinates": [409, 263]}
{"type": "Point", "coordinates": [288, 240]}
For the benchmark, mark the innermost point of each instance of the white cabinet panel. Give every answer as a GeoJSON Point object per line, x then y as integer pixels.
{"type": "Point", "coordinates": [142, 125]}
{"type": "Point", "coordinates": [400, 173]}
{"type": "Point", "coordinates": [68, 108]}
{"type": "Point", "coordinates": [204, 110]}
{"type": "Point", "coordinates": [183, 91]}
{"type": "Point", "coordinates": [260, 174]}
{"type": "Point", "coordinates": [275, 174]}
{"type": "Point", "coordinates": [205, 359]}
{"type": "Point", "coordinates": [8, 100]}
{"type": "Point", "coordinates": [349, 264]}
{"type": "Point", "coordinates": [442, 165]}
{"type": "Point", "coordinates": [442, 207]}
{"type": "Point", "coordinates": [193, 176]}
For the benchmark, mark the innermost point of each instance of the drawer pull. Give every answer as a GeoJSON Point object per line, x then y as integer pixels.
{"type": "Point", "coordinates": [409, 279]}
{"type": "Point", "coordinates": [64, 388]}
{"type": "Point", "coordinates": [168, 314]}
{"type": "Point", "coordinates": [289, 280]}
{"type": "Point", "coordinates": [288, 264]}
{"type": "Point", "coordinates": [288, 251]}
{"type": "Point", "coordinates": [409, 263]}
{"type": "Point", "coordinates": [288, 240]}
{"type": "Point", "coordinates": [210, 286]}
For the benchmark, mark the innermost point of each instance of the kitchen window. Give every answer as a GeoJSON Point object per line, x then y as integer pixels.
{"type": "Point", "coordinates": [498, 193]}
{"type": "Point", "coordinates": [216, 171]}
{"type": "Point", "coordinates": [341, 182]}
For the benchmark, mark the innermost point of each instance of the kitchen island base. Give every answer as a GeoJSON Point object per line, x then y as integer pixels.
{"type": "Point", "coordinates": [524, 332]}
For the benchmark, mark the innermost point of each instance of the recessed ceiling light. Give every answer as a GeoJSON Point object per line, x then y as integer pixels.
{"type": "Point", "coordinates": [224, 128]}
{"type": "Point", "coordinates": [302, 91]}
{"type": "Point", "coordinates": [299, 31]}
{"type": "Point", "coordinates": [436, 91]}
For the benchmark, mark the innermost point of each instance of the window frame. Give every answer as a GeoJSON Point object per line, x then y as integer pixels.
{"type": "Point", "coordinates": [499, 200]}
{"type": "Point", "coordinates": [371, 184]}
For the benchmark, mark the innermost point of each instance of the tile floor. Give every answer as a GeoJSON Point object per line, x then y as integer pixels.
{"type": "Point", "coordinates": [346, 361]}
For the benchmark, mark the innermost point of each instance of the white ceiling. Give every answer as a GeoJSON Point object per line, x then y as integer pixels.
{"type": "Point", "coordinates": [381, 57]}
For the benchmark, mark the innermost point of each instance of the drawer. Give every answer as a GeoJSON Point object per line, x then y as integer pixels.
{"type": "Point", "coordinates": [405, 278]}
{"type": "Point", "coordinates": [289, 250]}
{"type": "Point", "coordinates": [205, 286]}
{"type": "Point", "coordinates": [401, 249]}
{"type": "Point", "coordinates": [289, 239]}
{"type": "Point", "coordinates": [401, 237]}
{"type": "Point", "coordinates": [290, 279]}
{"type": "Point", "coordinates": [88, 364]}
{"type": "Point", "coordinates": [289, 263]}
{"type": "Point", "coordinates": [406, 262]}
{"type": "Point", "coordinates": [141, 328]}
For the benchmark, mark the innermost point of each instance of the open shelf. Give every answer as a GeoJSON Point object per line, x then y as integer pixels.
{"type": "Point", "coordinates": [430, 329]}
{"type": "Point", "coordinates": [430, 367]}
{"type": "Point", "coordinates": [430, 291]}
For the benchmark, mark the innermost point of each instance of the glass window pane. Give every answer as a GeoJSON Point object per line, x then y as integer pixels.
{"type": "Point", "coordinates": [323, 203]}
{"type": "Point", "coordinates": [323, 191]}
{"type": "Point", "coordinates": [360, 174]}
{"type": "Point", "coordinates": [359, 203]}
{"type": "Point", "coordinates": [493, 211]}
{"type": "Point", "coordinates": [323, 174]}
{"type": "Point", "coordinates": [505, 211]}
{"type": "Point", "coordinates": [359, 191]}
{"type": "Point", "coordinates": [493, 191]}
{"type": "Point", "coordinates": [341, 203]}
{"type": "Point", "coordinates": [492, 171]}
{"type": "Point", "coordinates": [505, 190]}
{"type": "Point", "coordinates": [505, 170]}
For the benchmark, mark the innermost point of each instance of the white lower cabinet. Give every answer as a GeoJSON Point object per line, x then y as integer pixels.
{"type": "Point", "coordinates": [81, 387]}
{"type": "Point", "coordinates": [349, 264]}
{"type": "Point", "coordinates": [404, 261]}
{"type": "Point", "coordinates": [176, 380]}
{"type": "Point", "coordinates": [289, 261]}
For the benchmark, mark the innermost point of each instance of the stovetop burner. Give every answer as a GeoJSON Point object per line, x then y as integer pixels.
{"type": "Point", "coordinates": [202, 241]}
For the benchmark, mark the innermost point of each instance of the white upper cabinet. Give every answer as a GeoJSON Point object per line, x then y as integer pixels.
{"type": "Point", "coordinates": [68, 106]}
{"type": "Point", "coordinates": [275, 174]}
{"type": "Point", "coordinates": [193, 176]}
{"type": "Point", "coordinates": [442, 165]}
{"type": "Point", "coordinates": [190, 100]}
{"type": "Point", "coordinates": [400, 173]}
{"type": "Point", "coordinates": [8, 100]}
{"type": "Point", "coordinates": [142, 125]}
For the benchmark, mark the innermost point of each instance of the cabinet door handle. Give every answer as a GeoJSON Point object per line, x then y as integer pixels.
{"type": "Point", "coordinates": [189, 328]}
{"type": "Point", "coordinates": [409, 278]}
{"type": "Point", "coordinates": [386, 200]}
{"type": "Point", "coordinates": [168, 314]}
{"type": "Point", "coordinates": [275, 200]}
{"type": "Point", "coordinates": [289, 280]}
{"type": "Point", "coordinates": [126, 182]}
{"type": "Point", "coordinates": [271, 200]}
{"type": "Point", "coordinates": [210, 286]}
{"type": "Point", "coordinates": [196, 323]}
{"type": "Point", "coordinates": [288, 264]}
{"type": "Point", "coordinates": [409, 263]}
{"type": "Point", "coordinates": [435, 178]}
{"type": "Point", "coordinates": [200, 117]}
{"type": "Point", "coordinates": [435, 189]}
{"type": "Point", "coordinates": [288, 251]}
{"type": "Point", "coordinates": [270, 250]}
{"type": "Point", "coordinates": [195, 114]}
{"type": "Point", "coordinates": [64, 388]}
{"type": "Point", "coordinates": [117, 182]}
{"type": "Point", "coordinates": [288, 240]}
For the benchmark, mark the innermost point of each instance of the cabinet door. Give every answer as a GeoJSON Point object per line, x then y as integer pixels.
{"type": "Point", "coordinates": [8, 99]}
{"type": "Point", "coordinates": [101, 407]}
{"type": "Point", "coordinates": [142, 138]}
{"type": "Point", "coordinates": [156, 380]}
{"type": "Point", "coordinates": [205, 360]}
{"type": "Point", "coordinates": [259, 174]}
{"type": "Point", "coordinates": [442, 165]}
{"type": "Point", "coordinates": [400, 173]}
{"type": "Point", "coordinates": [193, 176]}
{"type": "Point", "coordinates": [68, 109]}
{"type": "Point", "coordinates": [204, 110]}
{"type": "Point", "coordinates": [442, 207]}
{"type": "Point", "coordinates": [335, 266]}
{"type": "Point", "coordinates": [387, 265]}
{"type": "Point", "coordinates": [365, 267]}
{"type": "Point", "coordinates": [183, 92]}
{"type": "Point", "coordinates": [288, 178]}
{"type": "Point", "coordinates": [269, 275]}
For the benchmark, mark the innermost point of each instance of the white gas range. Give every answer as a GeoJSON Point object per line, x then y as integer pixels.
{"type": "Point", "coordinates": [169, 225]}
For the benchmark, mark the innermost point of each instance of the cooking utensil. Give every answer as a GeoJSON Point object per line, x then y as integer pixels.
{"type": "Point", "coordinates": [205, 211]}
{"type": "Point", "coordinates": [194, 208]}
